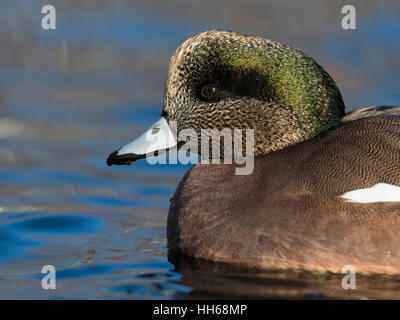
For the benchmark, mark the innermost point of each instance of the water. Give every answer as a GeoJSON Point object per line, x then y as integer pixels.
{"type": "Point", "coordinates": [69, 97]}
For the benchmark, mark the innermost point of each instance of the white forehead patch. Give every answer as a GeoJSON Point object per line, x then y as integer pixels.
{"type": "Point", "coordinates": [380, 192]}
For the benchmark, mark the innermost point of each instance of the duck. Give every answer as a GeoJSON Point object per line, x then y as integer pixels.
{"type": "Point", "coordinates": [324, 193]}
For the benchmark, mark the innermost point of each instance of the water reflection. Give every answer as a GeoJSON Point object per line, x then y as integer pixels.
{"type": "Point", "coordinates": [60, 224]}
{"type": "Point", "coordinates": [17, 237]}
{"type": "Point", "coordinates": [13, 245]}
{"type": "Point", "coordinates": [220, 280]}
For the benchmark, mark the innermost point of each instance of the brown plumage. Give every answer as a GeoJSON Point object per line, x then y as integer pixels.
{"type": "Point", "coordinates": [289, 213]}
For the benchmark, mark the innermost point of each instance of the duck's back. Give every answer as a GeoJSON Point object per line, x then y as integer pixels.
{"type": "Point", "coordinates": [289, 212]}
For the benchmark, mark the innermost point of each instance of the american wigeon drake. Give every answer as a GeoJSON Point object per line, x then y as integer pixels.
{"type": "Point", "coordinates": [324, 192]}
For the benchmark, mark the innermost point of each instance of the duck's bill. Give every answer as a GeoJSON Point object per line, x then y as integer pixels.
{"type": "Point", "coordinates": [158, 138]}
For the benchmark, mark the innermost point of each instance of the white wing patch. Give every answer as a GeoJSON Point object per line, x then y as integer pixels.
{"type": "Point", "coordinates": [380, 192]}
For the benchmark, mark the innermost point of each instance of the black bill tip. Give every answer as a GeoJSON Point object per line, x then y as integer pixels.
{"type": "Point", "coordinates": [123, 159]}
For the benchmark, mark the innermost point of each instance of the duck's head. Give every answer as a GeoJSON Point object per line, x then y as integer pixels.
{"type": "Point", "coordinates": [221, 79]}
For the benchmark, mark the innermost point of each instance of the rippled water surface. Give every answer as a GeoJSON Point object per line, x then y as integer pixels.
{"type": "Point", "coordinates": [69, 97]}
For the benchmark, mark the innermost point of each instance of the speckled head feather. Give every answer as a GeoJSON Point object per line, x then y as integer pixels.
{"type": "Point", "coordinates": [278, 91]}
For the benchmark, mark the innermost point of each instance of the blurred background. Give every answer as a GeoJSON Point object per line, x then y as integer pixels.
{"type": "Point", "coordinates": [70, 96]}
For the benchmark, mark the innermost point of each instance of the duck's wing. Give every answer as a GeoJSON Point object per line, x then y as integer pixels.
{"type": "Point", "coordinates": [363, 151]}
{"type": "Point", "coordinates": [391, 111]}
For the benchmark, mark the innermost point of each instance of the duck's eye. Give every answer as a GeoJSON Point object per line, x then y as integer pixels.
{"type": "Point", "coordinates": [210, 91]}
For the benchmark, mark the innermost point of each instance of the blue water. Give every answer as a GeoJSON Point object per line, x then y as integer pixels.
{"type": "Point", "coordinates": [71, 96]}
